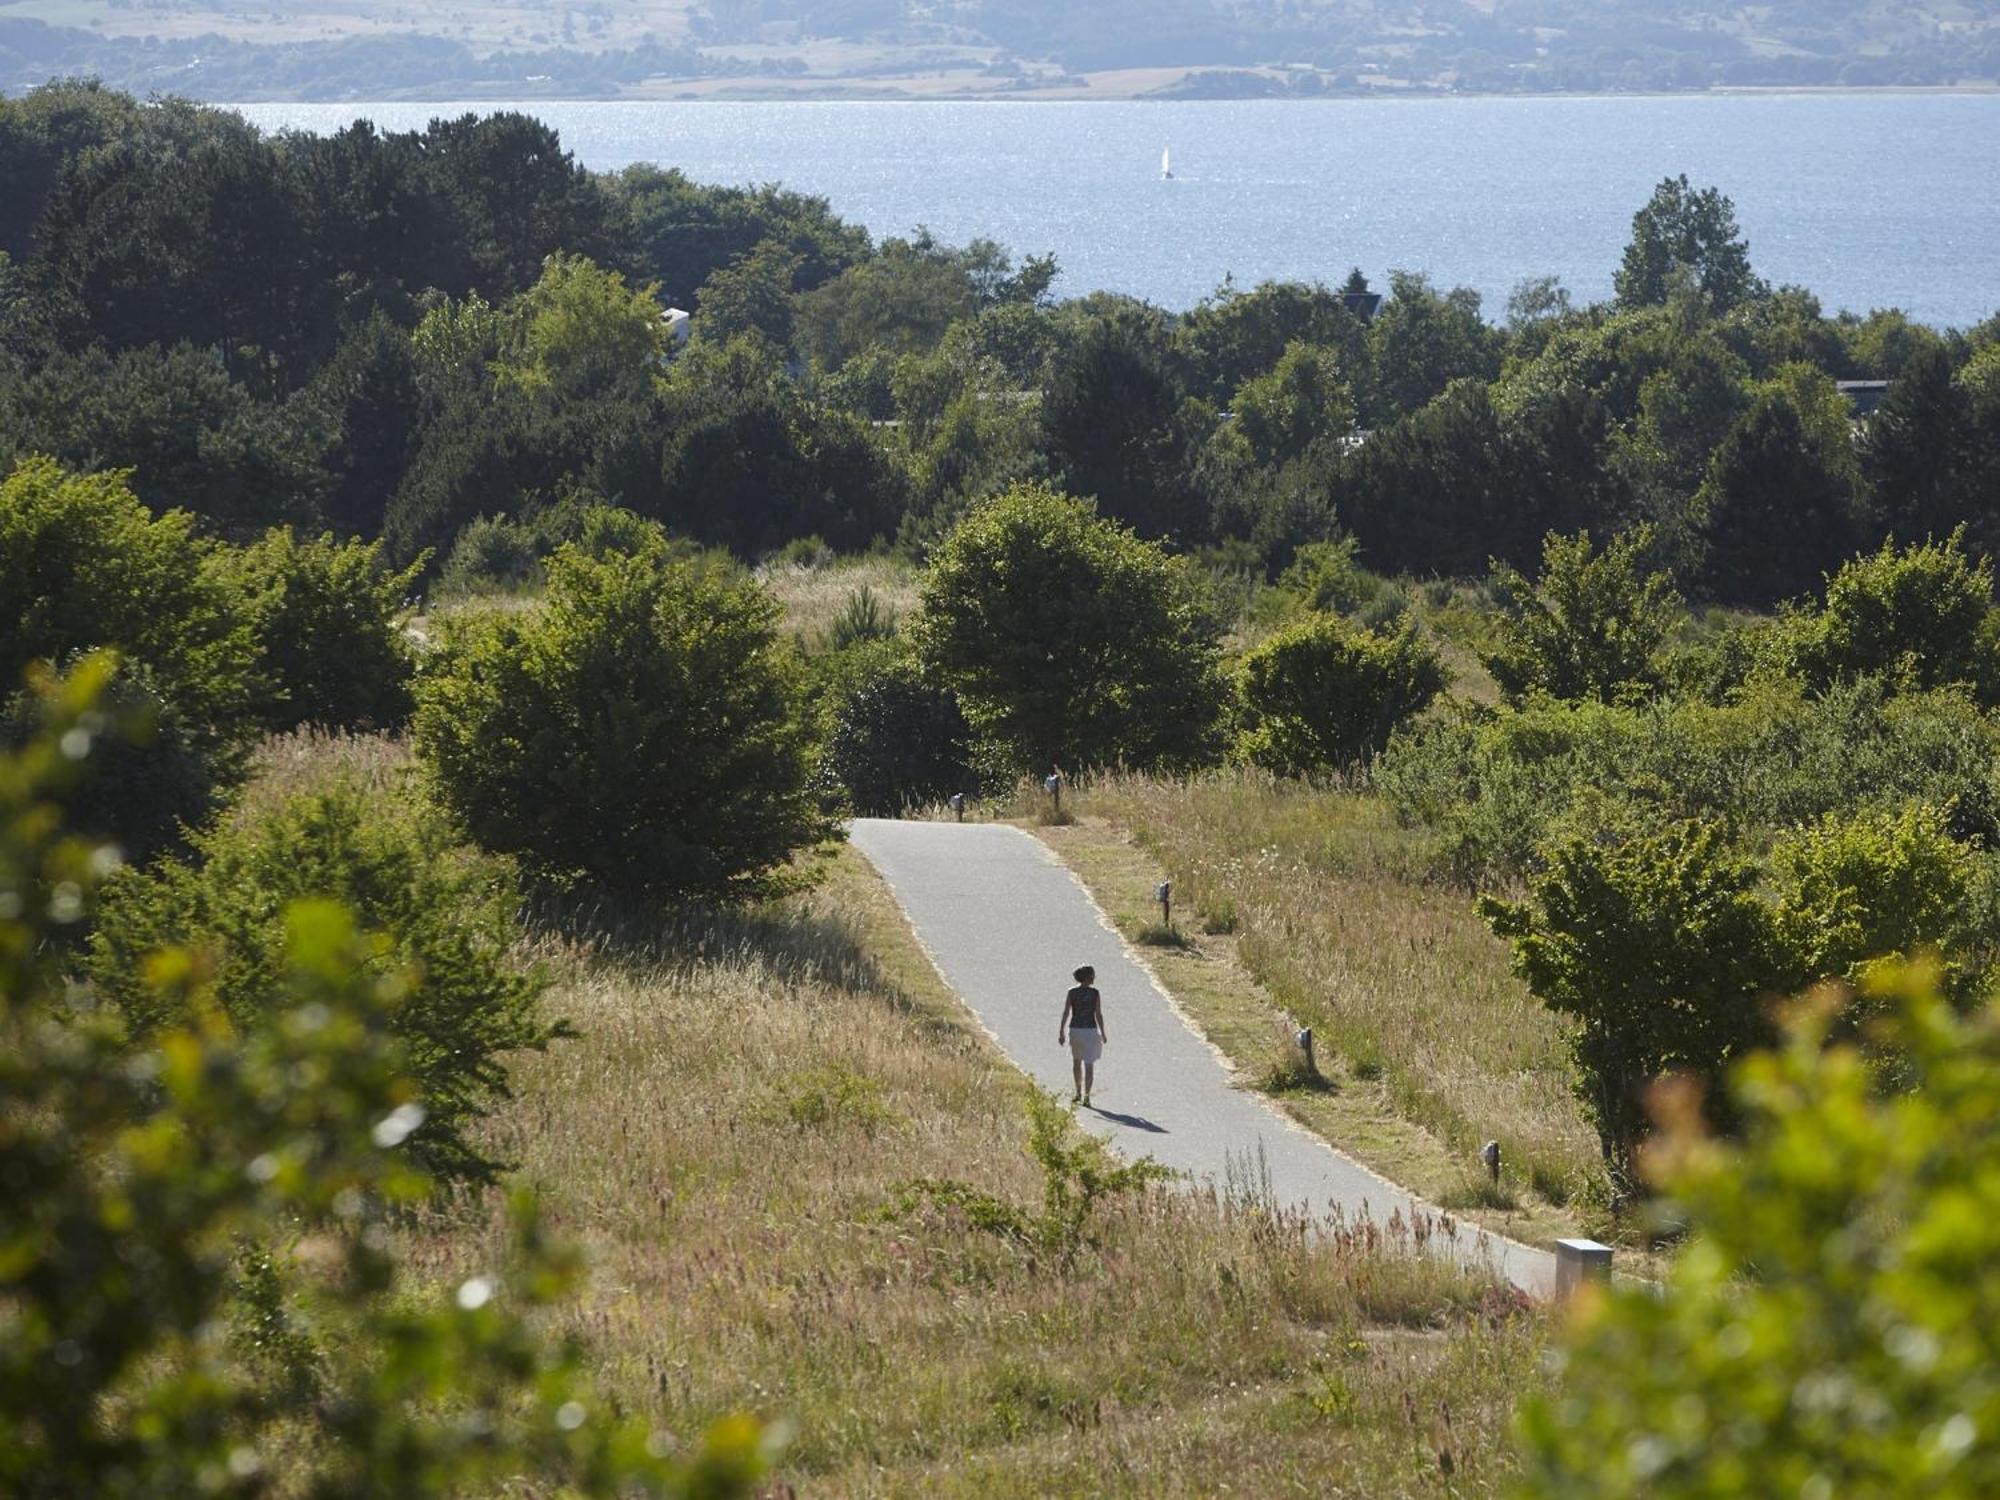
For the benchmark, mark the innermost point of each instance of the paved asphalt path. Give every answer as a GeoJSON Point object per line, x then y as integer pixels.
{"type": "Point", "coordinates": [1006, 922]}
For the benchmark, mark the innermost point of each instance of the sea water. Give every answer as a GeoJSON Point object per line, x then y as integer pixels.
{"type": "Point", "coordinates": [1868, 200]}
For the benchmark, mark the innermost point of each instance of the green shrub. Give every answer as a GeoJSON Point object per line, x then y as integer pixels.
{"type": "Point", "coordinates": [84, 565]}
{"type": "Point", "coordinates": [899, 740]}
{"type": "Point", "coordinates": [1079, 1174]}
{"type": "Point", "coordinates": [493, 553]}
{"type": "Point", "coordinates": [1323, 695]}
{"type": "Point", "coordinates": [1070, 641]}
{"type": "Point", "coordinates": [447, 918]}
{"type": "Point", "coordinates": [863, 617]}
{"type": "Point", "coordinates": [1873, 885]}
{"type": "Point", "coordinates": [641, 729]}
{"type": "Point", "coordinates": [1921, 616]}
{"type": "Point", "coordinates": [1326, 576]}
{"type": "Point", "coordinates": [141, 1178]}
{"type": "Point", "coordinates": [329, 622]}
{"type": "Point", "coordinates": [157, 775]}
{"type": "Point", "coordinates": [1590, 627]}
{"type": "Point", "coordinates": [1833, 1326]}
{"type": "Point", "coordinates": [1492, 785]}
{"type": "Point", "coordinates": [1658, 951]}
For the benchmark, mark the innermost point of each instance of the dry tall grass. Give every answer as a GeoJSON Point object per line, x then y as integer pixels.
{"type": "Point", "coordinates": [1326, 896]}
{"type": "Point", "coordinates": [813, 597]}
{"type": "Point", "coordinates": [728, 1137]}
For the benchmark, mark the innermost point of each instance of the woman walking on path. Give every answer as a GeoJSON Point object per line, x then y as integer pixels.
{"type": "Point", "coordinates": [1082, 1026]}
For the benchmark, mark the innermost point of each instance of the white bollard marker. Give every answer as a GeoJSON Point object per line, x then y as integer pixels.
{"type": "Point", "coordinates": [1578, 1261]}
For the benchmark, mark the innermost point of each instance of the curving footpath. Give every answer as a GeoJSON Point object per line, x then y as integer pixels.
{"type": "Point", "coordinates": [1005, 921]}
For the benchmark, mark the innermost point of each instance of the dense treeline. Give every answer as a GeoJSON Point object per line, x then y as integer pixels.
{"type": "Point", "coordinates": [393, 335]}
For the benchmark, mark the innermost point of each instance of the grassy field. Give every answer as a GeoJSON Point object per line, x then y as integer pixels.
{"type": "Point", "coordinates": [733, 1138]}
{"type": "Point", "coordinates": [1352, 1106]}
{"type": "Point", "coordinates": [1411, 997]}
{"type": "Point", "coordinates": [813, 597]}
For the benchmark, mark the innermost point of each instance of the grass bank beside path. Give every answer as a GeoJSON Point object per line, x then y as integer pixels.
{"type": "Point", "coordinates": [729, 1138]}
{"type": "Point", "coordinates": [1291, 902]}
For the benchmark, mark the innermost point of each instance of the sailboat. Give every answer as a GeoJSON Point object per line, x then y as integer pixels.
{"type": "Point", "coordinates": [1166, 164]}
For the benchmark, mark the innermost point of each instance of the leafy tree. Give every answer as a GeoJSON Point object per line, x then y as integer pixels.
{"type": "Point", "coordinates": [1070, 641]}
{"type": "Point", "coordinates": [640, 730]}
{"type": "Point", "coordinates": [899, 739]}
{"type": "Point", "coordinates": [1855, 890]}
{"type": "Point", "coordinates": [1656, 951]}
{"type": "Point", "coordinates": [478, 456]}
{"type": "Point", "coordinates": [1423, 340]}
{"type": "Point", "coordinates": [157, 778]}
{"type": "Point", "coordinates": [750, 295]}
{"type": "Point", "coordinates": [455, 346]}
{"type": "Point", "coordinates": [42, 129]}
{"type": "Point", "coordinates": [1447, 489]}
{"type": "Point", "coordinates": [186, 232]}
{"type": "Point", "coordinates": [685, 231]}
{"type": "Point", "coordinates": [977, 449]}
{"type": "Point", "coordinates": [581, 333]}
{"type": "Point", "coordinates": [906, 296]}
{"type": "Point", "coordinates": [367, 406]}
{"type": "Point", "coordinates": [1301, 404]}
{"type": "Point", "coordinates": [1235, 336]}
{"type": "Point", "coordinates": [1324, 695]}
{"type": "Point", "coordinates": [139, 1172]}
{"type": "Point", "coordinates": [1786, 326]}
{"type": "Point", "coordinates": [1914, 451]}
{"type": "Point", "coordinates": [83, 565]}
{"type": "Point", "coordinates": [750, 463]}
{"type": "Point", "coordinates": [1327, 576]}
{"type": "Point", "coordinates": [1536, 302]}
{"type": "Point", "coordinates": [1831, 1327]}
{"type": "Point", "coordinates": [1921, 614]}
{"type": "Point", "coordinates": [376, 227]}
{"type": "Point", "coordinates": [1685, 410]}
{"type": "Point", "coordinates": [329, 623]}
{"type": "Point", "coordinates": [1590, 627]}
{"type": "Point", "coordinates": [1112, 430]}
{"type": "Point", "coordinates": [192, 437]}
{"type": "Point", "coordinates": [446, 919]}
{"type": "Point", "coordinates": [1779, 505]}
{"type": "Point", "coordinates": [517, 198]}
{"type": "Point", "coordinates": [492, 553]}
{"type": "Point", "coordinates": [1686, 237]}
{"type": "Point", "coordinates": [1883, 344]}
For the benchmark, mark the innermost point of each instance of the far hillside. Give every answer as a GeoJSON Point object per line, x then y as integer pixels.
{"type": "Point", "coordinates": [326, 49]}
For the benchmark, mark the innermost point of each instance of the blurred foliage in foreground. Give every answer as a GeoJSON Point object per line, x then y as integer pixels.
{"type": "Point", "coordinates": [196, 1291]}
{"type": "Point", "coordinates": [1831, 1330]}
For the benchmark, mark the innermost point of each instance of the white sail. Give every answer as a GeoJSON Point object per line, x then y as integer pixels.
{"type": "Point", "coordinates": [1166, 162]}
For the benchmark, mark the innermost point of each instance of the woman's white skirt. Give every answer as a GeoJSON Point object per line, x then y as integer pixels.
{"type": "Point", "coordinates": [1085, 1045]}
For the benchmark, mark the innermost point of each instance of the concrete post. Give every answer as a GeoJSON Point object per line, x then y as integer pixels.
{"type": "Point", "coordinates": [1578, 1261]}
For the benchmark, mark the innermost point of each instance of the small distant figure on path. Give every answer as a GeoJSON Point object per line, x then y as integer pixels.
{"type": "Point", "coordinates": [1082, 1027]}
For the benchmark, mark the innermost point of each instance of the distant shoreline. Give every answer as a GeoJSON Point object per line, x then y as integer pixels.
{"type": "Point", "coordinates": [734, 91]}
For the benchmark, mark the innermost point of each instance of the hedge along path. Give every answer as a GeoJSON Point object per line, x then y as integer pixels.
{"type": "Point", "coordinates": [1005, 922]}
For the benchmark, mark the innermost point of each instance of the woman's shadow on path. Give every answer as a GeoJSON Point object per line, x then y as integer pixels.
{"type": "Point", "coordinates": [1136, 1122]}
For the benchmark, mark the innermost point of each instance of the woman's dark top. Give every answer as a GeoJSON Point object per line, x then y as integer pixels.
{"type": "Point", "coordinates": [1083, 1007]}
